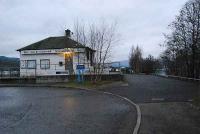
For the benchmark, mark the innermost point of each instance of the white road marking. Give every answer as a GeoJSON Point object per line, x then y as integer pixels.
{"type": "Point", "coordinates": [139, 115]}
{"type": "Point", "coordinates": [125, 85]}
{"type": "Point", "coordinates": [157, 99]}
{"type": "Point", "coordinates": [190, 100]}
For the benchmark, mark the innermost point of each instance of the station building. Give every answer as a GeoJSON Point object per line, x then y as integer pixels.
{"type": "Point", "coordinates": [55, 56]}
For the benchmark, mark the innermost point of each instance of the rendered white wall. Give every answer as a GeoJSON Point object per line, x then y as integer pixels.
{"type": "Point", "coordinates": [54, 64]}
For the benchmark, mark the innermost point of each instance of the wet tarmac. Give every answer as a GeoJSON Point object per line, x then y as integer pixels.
{"type": "Point", "coordinates": [163, 102]}
{"type": "Point", "coordinates": [34, 110]}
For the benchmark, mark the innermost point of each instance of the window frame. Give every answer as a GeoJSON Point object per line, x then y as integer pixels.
{"type": "Point", "coordinates": [46, 67]}
{"type": "Point", "coordinates": [31, 67]}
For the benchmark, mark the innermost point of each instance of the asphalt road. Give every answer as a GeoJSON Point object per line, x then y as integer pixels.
{"type": "Point", "coordinates": [169, 118]}
{"type": "Point", "coordinates": [26, 110]}
{"type": "Point", "coordinates": [163, 102]}
{"type": "Point", "coordinates": [150, 89]}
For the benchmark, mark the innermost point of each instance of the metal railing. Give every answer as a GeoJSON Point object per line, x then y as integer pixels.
{"type": "Point", "coordinates": [44, 69]}
{"type": "Point", "coordinates": [50, 69]}
{"type": "Point", "coordinates": [9, 72]}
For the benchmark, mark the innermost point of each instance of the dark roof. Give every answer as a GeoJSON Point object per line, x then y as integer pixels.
{"type": "Point", "coordinates": [54, 43]}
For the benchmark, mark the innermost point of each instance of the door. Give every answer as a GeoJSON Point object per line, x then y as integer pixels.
{"type": "Point", "coordinates": [69, 64]}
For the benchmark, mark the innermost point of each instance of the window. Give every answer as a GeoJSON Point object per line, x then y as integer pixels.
{"type": "Point", "coordinates": [45, 64]}
{"type": "Point", "coordinates": [23, 64]}
{"type": "Point", "coordinates": [28, 64]}
{"type": "Point", "coordinates": [31, 64]}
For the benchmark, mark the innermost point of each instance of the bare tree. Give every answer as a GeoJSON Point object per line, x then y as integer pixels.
{"type": "Point", "coordinates": [150, 65]}
{"type": "Point", "coordinates": [131, 58]}
{"type": "Point", "coordinates": [135, 59]}
{"type": "Point", "coordinates": [80, 32]}
{"type": "Point", "coordinates": [183, 44]}
{"type": "Point", "coordinates": [102, 38]}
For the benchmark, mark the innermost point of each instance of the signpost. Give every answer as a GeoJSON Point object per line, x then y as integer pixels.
{"type": "Point", "coordinates": [80, 69]}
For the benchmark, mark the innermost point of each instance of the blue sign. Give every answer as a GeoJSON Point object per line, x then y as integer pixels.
{"type": "Point", "coordinates": [80, 67]}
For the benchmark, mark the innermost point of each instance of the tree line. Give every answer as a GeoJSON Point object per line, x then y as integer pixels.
{"type": "Point", "coordinates": [182, 54]}
{"type": "Point", "coordinates": [139, 64]}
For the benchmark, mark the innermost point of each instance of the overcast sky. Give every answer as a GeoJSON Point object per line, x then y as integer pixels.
{"type": "Point", "coordinates": [141, 22]}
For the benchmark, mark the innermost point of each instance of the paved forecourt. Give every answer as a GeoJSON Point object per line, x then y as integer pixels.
{"type": "Point", "coordinates": [45, 110]}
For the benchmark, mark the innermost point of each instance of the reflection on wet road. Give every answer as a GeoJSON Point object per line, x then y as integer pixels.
{"type": "Point", "coordinates": [48, 111]}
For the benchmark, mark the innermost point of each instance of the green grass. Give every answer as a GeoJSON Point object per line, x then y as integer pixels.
{"type": "Point", "coordinates": [85, 84]}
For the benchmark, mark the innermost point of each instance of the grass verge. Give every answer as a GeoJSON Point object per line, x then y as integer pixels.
{"type": "Point", "coordinates": [86, 84]}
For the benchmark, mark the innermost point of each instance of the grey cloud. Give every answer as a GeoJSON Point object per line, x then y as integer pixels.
{"type": "Point", "coordinates": [140, 21]}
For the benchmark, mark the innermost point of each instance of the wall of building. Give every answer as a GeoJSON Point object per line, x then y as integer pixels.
{"type": "Point", "coordinates": [54, 65]}
{"type": "Point", "coordinates": [54, 58]}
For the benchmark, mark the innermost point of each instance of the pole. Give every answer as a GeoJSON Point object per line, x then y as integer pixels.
{"type": "Point", "coordinates": [79, 77]}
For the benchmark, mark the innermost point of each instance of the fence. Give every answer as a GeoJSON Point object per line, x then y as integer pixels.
{"type": "Point", "coordinates": [183, 78]}
{"type": "Point", "coordinates": [179, 78]}
{"type": "Point", "coordinates": [45, 69]}
{"type": "Point", "coordinates": [33, 70]}
{"type": "Point", "coordinates": [9, 72]}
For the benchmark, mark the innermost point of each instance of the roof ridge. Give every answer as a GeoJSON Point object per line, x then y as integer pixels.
{"type": "Point", "coordinates": [56, 42]}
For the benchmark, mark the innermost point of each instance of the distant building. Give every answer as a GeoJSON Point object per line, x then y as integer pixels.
{"type": "Point", "coordinates": [55, 56]}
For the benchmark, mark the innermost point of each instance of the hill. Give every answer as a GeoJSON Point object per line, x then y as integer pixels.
{"type": "Point", "coordinates": [9, 62]}
{"type": "Point", "coordinates": [123, 63]}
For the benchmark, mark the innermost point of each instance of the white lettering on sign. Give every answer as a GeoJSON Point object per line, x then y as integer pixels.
{"type": "Point", "coordinates": [52, 51]}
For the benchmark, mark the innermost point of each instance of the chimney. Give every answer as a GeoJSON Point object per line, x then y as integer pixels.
{"type": "Point", "coordinates": [68, 33]}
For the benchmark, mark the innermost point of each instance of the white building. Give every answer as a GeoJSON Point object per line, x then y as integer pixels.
{"type": "Point", "coordinates": [55, 56]}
